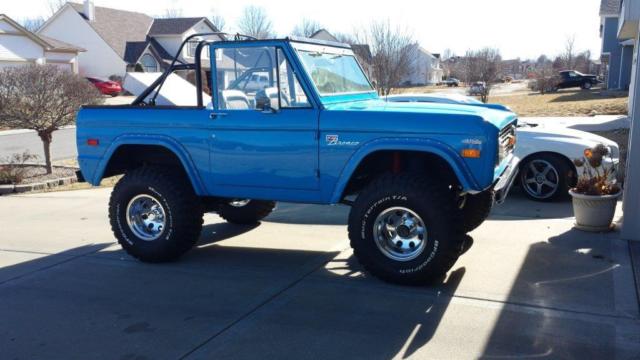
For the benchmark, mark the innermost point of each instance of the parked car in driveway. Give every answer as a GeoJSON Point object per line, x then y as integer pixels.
{"type": "Point", "coordinates": [546, 170]}
{"type": "Point", "coordinates": [572, 79]}
{"type": "Point", "coordinates": [477, 88]}
{"type": "Point", "coordinates": [451, 82]}
{"type": "Point", "coordinates": [106, 86]}
{"type": "Point", "coordinates": [319, 133]}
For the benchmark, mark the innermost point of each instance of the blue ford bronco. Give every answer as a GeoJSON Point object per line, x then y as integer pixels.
{"type": "Point", "coordinates": [297, 120]}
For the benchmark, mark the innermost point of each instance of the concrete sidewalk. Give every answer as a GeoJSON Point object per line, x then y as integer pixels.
{"type": "Point", "coordinates": [291, 289]}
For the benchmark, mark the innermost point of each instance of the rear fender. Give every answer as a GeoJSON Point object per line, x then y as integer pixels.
{"type": "Point", "coordinates": [158, 140]}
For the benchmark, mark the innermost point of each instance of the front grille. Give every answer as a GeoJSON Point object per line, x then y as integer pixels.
{"type": "Point", "coordinates": [506, 142]}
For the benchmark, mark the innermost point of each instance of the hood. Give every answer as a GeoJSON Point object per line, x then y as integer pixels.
{"type": "Point", "coordinates": [499, 118]}
{"type": "Point", "coordinates": [564, 133]}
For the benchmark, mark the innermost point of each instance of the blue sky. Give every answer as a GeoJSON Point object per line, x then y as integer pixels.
{"type": "Point", "coordinates": [519, 28]}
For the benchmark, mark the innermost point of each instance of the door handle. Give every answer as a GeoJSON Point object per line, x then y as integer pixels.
{"type": "Point", "coordinates": [215, 115]}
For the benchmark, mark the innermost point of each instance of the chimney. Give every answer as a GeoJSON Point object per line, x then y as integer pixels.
{"type": "Point", "coordinates": [89, 10]}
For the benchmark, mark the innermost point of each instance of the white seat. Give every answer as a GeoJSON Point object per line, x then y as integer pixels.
{"type": "Point", "coordinates": [235, 100]}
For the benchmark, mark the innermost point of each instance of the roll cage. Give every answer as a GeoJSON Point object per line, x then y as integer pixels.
{"type": "Point", "coordinates": [197, 64]}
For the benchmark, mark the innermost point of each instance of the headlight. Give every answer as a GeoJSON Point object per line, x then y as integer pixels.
{"type": "Point", "coordinates": [614, 151]}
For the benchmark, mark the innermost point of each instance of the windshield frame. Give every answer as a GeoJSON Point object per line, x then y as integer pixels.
{"type": "Point", "coordinates": [326, 49]}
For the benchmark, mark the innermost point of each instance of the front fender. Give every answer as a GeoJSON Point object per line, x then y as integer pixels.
{"type": "Point", "coordinates": [459, 167]}
{"type": "Point", "coordinates": [145, 139]}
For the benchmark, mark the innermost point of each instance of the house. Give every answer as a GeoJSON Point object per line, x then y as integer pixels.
{"type": "Point", "coordinates": [361, 51]}
{"type": "Point", "coordinates": [618, 19]}
{"type": "Point", "coordinates": [425, 70]}
{"type": "Point", "coordinates": [19, 46]}
{"type": "Point", "coordinates": [117, 41]}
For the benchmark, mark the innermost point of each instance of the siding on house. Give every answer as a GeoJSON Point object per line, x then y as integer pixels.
{"type": "Point", "coordinates": [99, 60]}
{"type": "Point", "coordinates": [611, 46]}
{"type": "Point", "coordinates": [425, 70]}
{"type": "Point", "coordinates": [18, 46]}
{"type": "Point", "coordinates": [15, 47]}
{"type": "Point", "coordinates": [626, 65]}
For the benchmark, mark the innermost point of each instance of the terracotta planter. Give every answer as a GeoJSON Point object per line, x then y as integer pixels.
{"type": "Point", "coordinates": [594, 213]}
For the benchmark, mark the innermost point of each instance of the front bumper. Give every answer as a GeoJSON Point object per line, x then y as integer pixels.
{"type": "Point", "coordinates": [506, 180]}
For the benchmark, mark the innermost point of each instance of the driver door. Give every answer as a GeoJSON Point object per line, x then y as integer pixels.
{"type": "Point", "coordinates": [264, 127]}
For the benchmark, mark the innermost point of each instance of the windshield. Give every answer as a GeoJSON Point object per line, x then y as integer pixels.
{"type": "Point", "coordinates": [334, 73]}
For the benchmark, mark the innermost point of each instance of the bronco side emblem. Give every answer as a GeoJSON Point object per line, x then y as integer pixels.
{"type": "Point", "coordinates": [331, 139]}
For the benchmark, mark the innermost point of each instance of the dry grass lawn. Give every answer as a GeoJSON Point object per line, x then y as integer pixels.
{"type": "Point", "coordinates": [566, 103]}
{"type": "Point", "coordinates": [570, 102]}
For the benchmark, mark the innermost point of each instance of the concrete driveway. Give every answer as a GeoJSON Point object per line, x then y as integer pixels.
{"type": "Point", "coordinates": [289, 288]}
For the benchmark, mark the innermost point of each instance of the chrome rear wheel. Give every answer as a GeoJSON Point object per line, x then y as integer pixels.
{"type": "Point", "coordinates": [146, 217]}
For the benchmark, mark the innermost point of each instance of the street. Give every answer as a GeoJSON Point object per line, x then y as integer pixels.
{"type": "Point", "coordinates": [290, 288]}
{"type": "Point", "coordinates": [62, 147]}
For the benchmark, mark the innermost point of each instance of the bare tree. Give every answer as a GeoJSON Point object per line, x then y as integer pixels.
{"type": "Point", "coordinates": [482, 66]}
{"type": "Point", "coordinates": [394, 53]}
{"type": "Point", "coordinates": [42, 98]}
{"type": "Point", "coordinates": [447, 54]}
{"type": "Point", "coordinates": [546, 78]}
{"type": "Point", "coordinates": [345, 38]}
{"type": "Point", "coordinates": [171, 13]}
{"type": "Point", "coordinates": [32, 24]}
{"type": "Point", "coordinates": [255, 22]}
{"type": "Point", "coordinates": [569, 54]}
{"type": "Point", "coordinates": [218, 21]}
{"type": "Point", "coordinates": [55, 5]}
{"type": "Point", "coordinates": [306, 28]}
{"type": "Point", "coordinates": [583, 62]}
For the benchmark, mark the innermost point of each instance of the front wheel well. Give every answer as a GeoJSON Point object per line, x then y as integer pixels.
{"type": "Point", "coordinates": [129, 157]}
{"type": "Point", "coordinates": [399, 161]}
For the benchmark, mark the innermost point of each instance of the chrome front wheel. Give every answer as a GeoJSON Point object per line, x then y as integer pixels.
{"type": "Point", "coordinates": [400, 234]}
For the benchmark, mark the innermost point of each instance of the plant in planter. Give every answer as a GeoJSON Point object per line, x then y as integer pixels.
{"type": "Point", "coordinates": [596, 193]}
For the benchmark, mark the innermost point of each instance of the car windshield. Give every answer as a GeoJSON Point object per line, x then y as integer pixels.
{"type": "Point", "coordinates": [334, 73]}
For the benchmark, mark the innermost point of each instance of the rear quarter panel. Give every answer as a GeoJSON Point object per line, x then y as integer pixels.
{"type": "Point", "coordinates": [183, 131]}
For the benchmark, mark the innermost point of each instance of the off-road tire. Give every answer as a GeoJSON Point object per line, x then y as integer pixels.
{"type": "Point", "coordinates": [425, 197]}
{"type": "Point", "coordinates": [248, 214]}
{"type": "Point", "coordinates": [182, 209]}
{"type": "Point", "coordinates": [476, 210]}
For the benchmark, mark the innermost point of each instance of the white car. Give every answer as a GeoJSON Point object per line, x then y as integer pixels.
{"type": "Point", "coordinates": [547, 171]}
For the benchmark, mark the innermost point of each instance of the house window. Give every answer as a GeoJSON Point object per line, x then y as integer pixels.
{"type": "Point", "coordinates": [191, 46]}
{"type": "Point", "coordinates": [149, 63]}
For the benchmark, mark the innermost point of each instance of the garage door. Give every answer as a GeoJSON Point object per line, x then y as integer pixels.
{"type": "Point", "coordinates": [4, 64]}
{"type": "Point", "coordinates": [63, 66]}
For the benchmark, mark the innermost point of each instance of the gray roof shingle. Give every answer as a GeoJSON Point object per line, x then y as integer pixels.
{"type": "Point", "coordinates": [60, 45]}
{"type": "Point", "coordinates": [135, 49]}
{"type": "Point", "coordinates": [173, 26]}
{"type": "Point", "coordinates": [117, 27]}
{"type": "Point", "coordinates": [609, 7]}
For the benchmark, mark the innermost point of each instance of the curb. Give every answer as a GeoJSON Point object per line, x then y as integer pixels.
{"type": "Point", "coordinates": [49, 184]}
